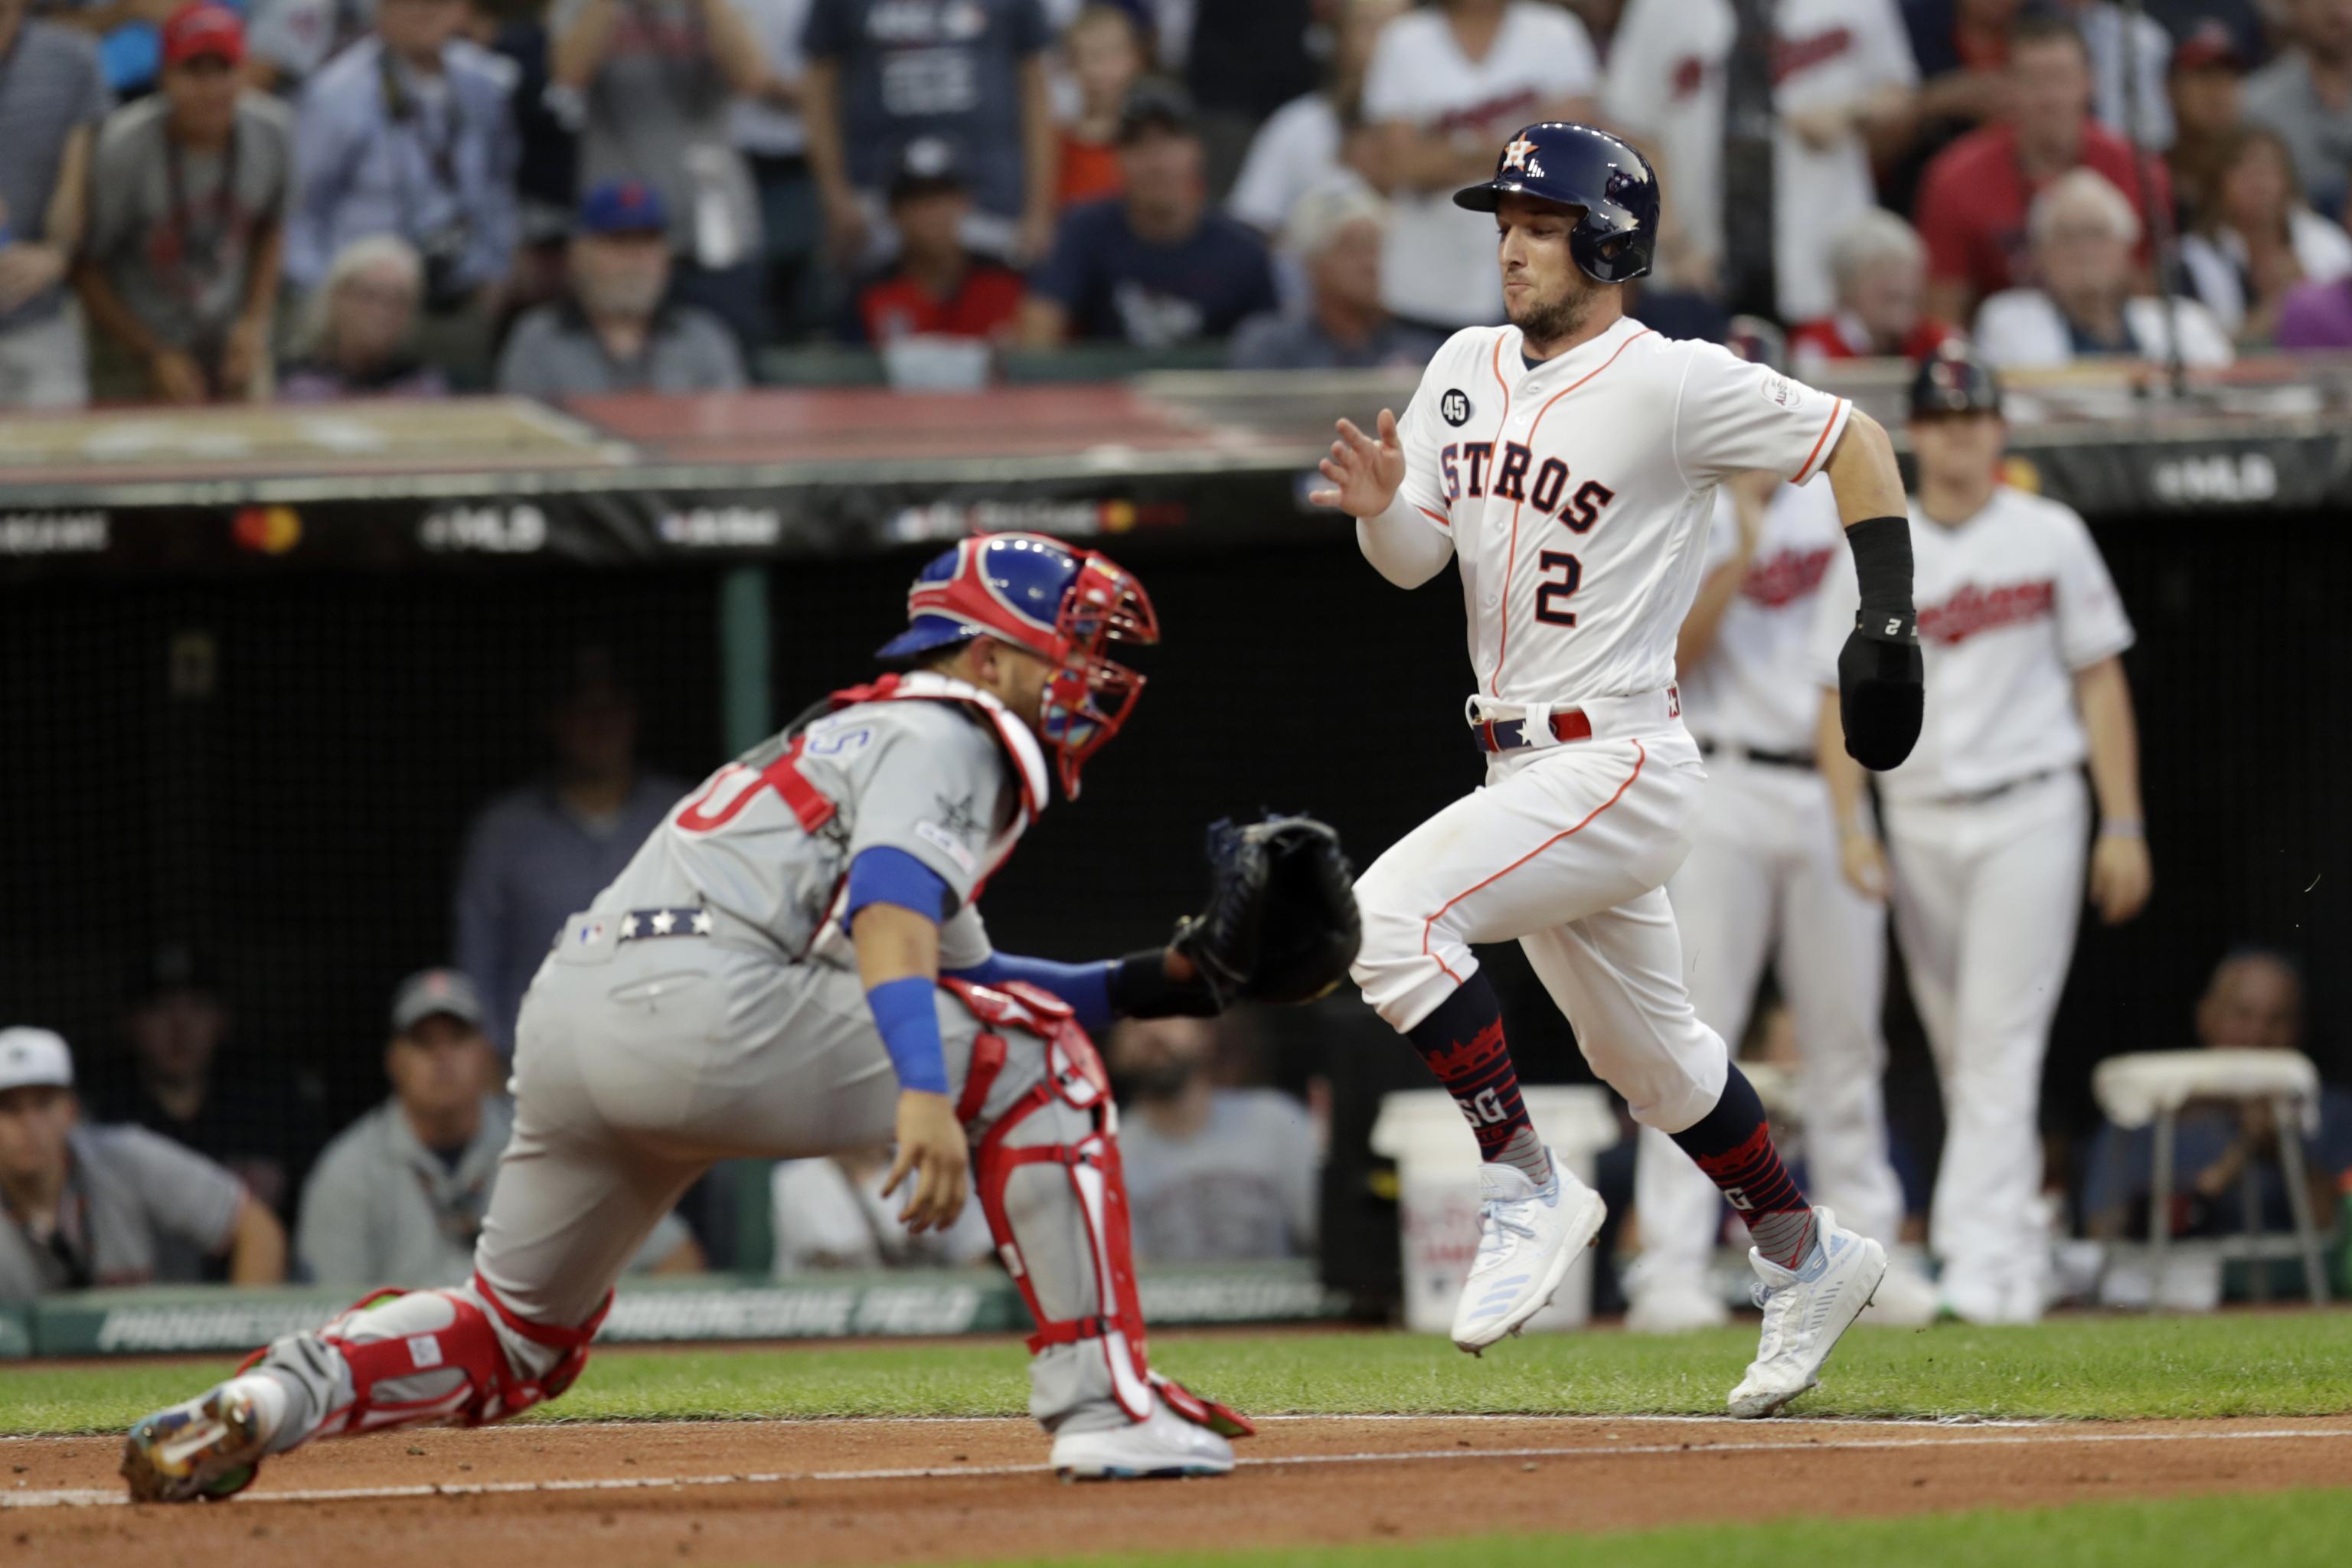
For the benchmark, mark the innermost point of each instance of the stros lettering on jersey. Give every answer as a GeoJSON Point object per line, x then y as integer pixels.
{"type": "Point", "coordinates": [1577, 493]}
{"type": "Point", "coordinates": [2012, 602]}
{"type": "Point", "coordinates": [1755, 686]}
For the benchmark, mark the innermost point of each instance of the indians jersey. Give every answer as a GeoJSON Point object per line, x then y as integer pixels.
{"type": "Point", "coordinates": [1577, 493]}
{"type": "Point", "coordinates": [1665, 89]}
{"type": "Point", "coordinates": [934, 768]}
{"type": "Point", "coordinates": [1755, 686]}
{"type": "Point", "coordinates": [2012, 602]}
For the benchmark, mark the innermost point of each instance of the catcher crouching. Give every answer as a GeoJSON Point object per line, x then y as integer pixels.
{"type": "Point", "coordinates": [794, 965]}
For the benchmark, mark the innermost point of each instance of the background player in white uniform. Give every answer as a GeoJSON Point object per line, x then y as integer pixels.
{"type": "Point", "coordinates": [793, 965]}
{"type": "Point", "coordinates": [1568, 463]}
{"type": "Point", "coordinates": [1842, 71]}
{"type": "Point", "coordinates": [2021, 631]}
{"type": "Point", "coordinates": [1763, 881]}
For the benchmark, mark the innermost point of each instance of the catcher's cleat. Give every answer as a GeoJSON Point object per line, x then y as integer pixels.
{"type": "Point", "coordinates": [1163, 1446]}
{"type": "Point", "coordinates": [200, 1450]}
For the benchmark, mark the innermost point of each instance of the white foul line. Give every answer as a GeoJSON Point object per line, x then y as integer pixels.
{"type": "Point", "coordinates": [95, 1498]}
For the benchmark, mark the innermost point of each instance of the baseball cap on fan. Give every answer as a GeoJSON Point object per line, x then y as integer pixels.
{"type": "Point", "coordinates": [34, 1057]}
{"type": "Point", "coordinates": [928, 166]}
{"type": "Point", "coordinates": [622, 206]}
{"type": "Point", "coordinates": [2210, 45]}
{"type": "Point", "coordinates": [429, 992]}
{"type": "Point", "coordinates": [204, 31]}
{"type": "Point", "coordinates": [1154, 105]}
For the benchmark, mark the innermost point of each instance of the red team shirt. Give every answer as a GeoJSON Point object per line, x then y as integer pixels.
{"type": "Point", "coordinates": [894, 307]}
{"type": "Point", "coordinates": [1973, 200]}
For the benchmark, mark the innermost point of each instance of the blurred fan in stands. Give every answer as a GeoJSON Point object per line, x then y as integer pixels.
{"type": "Point", "coordinates": [84, 1207]}
{"type": "Point", "coordinates": [359, 336]}
{"type": "Point", "coordinates": [1880, 268]}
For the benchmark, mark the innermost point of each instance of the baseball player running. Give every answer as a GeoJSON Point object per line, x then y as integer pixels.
{"type": "Point", "coordinates": [2021, 627]}
{"type": "Point", "coordinates": [1568, 462]}
{"type": "Point", "coordinates": [1763, 879]}
{"type": "Point", "coordinates": [793, 964]}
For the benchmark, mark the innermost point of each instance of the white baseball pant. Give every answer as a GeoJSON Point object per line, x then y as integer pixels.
{"type": "Point", "coordinates": [1763, 881]}
{"type": "Point", "coordinates": [1986, 896]}
{"type": "Point", "coordinates": [1566, 849]}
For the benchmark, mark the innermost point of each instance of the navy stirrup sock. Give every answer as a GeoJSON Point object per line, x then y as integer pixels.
{"type": "Point", "coordinates": [1734, 1147]}
{"type": "Point", "coordinates": [1462, 1044]}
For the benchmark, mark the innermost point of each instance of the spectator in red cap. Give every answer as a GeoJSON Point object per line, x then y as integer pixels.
{"type": "Point", "coordinates": [187, 202]}
{"type": "Point", "coordinates": [1972, 201]}
{"type": "Point", "coordinates": [619, 331]}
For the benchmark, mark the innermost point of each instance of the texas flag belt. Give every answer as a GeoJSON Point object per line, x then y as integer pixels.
{"type": "Point", "coordinates": [1510, 734]}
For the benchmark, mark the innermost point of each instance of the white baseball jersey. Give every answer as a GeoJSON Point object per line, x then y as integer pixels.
{"type": "Point", "coordinates": [1665, 88]}
{"type": "Point", "coordinates": [1437, 264]}
{"type": "Point", "coordinates": [1577, 494]}
{"type": "Point", "coordinates": [2012, 602]}
{"type": "Point", "coordinates": [1754, 687]}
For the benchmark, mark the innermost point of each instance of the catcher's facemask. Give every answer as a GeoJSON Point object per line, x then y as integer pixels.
{"type": "Point", "coordinates": [1064, 605]}
{"type": "Point", "coordinates": [1089, 696]}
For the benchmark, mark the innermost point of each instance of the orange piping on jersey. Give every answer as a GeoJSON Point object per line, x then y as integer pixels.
{"type": "Point", "coordinates": [1641, 755]}
{"type": "Point", "coordinates": [1807, 471]}
{"type": "Point", "coordinates": [1510, 568]}
{"type": "Point", "coordinates": [1438, 517]}
{"type": "Point", "coordinates": [1495, 364]}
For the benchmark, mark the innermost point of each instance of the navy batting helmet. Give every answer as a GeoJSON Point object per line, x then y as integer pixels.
{"type": "Point", "coordinates": [1953, 379]}
{"type": "Point", "coordinates": [1576, 165]}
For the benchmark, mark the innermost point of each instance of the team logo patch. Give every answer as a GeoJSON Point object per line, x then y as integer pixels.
{"type": "Point", "coordinates": [948, 844]}
{"type": "Point", "coordinates": [1521, 154]}
{"type": "Point", "coordinates": [1454, 406]}
{"type": "Point", "coordinates": [1780, 389]}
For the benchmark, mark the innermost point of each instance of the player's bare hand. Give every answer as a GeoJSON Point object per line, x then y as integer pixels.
{"type": "Point", "coordinates": [934, 1161]}
{"type": "Point", "coordinates": [1865, 865]}
{"type": "Point", "coordinates": [1364, 472]}
{"type": "Point", "coordinates": [2121, 877]}
{"type": "Point", "coordinates": [27, 269]}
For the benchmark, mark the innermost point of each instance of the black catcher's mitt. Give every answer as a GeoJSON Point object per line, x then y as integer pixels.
{"type": "Point", "coordinates": [1281, 922]}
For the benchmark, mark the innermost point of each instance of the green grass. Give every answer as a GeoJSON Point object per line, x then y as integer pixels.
{"type": "Point", "coordinates": [2275, 1530]}
{"type": "Point", "coordinates": [2287, 1365]}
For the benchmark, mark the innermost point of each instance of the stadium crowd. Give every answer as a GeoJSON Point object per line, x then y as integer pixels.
{"type": "Point", "coordinates": [314, 199]}
{"type": "Point", "coordinates": [310, 200]}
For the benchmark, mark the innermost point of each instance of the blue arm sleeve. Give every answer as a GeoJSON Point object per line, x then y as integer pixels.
{"type": "Point", "coordinates": [882, 875]}
{"type": "Point", "coordinates": [907, 1012]}
{"type": "Point", "coordinates": [1084, 986]}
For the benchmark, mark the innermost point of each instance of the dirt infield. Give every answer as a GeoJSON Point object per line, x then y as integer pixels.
{"type": "Point", "coordinates": [875, 1491]}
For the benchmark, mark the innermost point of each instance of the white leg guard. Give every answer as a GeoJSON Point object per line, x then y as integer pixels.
{"type": "Point", "coordinates": [1048, 1176]}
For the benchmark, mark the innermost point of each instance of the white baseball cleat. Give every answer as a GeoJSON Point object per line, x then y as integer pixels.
{"type": "Point", "coordinates": [1161, 1444]}
{"type": "Point", "coordinates": [1805, 1312]}
{"type": "Point", "coordinates": [1528, 1238]}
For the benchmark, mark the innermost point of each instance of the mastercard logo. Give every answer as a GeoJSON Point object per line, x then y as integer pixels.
{"type": "Point", "coordinates": [268, 530]}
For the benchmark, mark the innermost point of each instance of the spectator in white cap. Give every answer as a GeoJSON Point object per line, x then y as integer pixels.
{"type": "Point", "coordinates": [89, 1206]}
{"type": "Point", "coordinates": [1335, 234]}
{"type": "Point", "coordinates": [2084, 232]}
{"type": "Point", "coordinates": [400, 1193]}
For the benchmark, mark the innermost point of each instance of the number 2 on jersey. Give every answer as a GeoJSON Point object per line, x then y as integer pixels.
{"type": "Point", "coordinates": [1564, 589]}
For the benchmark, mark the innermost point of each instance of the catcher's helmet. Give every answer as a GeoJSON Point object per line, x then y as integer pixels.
{"type": "Point", "coordinates": [1953, 379]}
{"type": "Point", "coordinates": [1065, 605]}
{"type": "Point", "coordinates": [1576, 165]}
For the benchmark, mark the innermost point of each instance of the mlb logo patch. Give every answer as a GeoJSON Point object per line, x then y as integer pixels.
{"type": "Point", "coordinates": [589, 931]}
